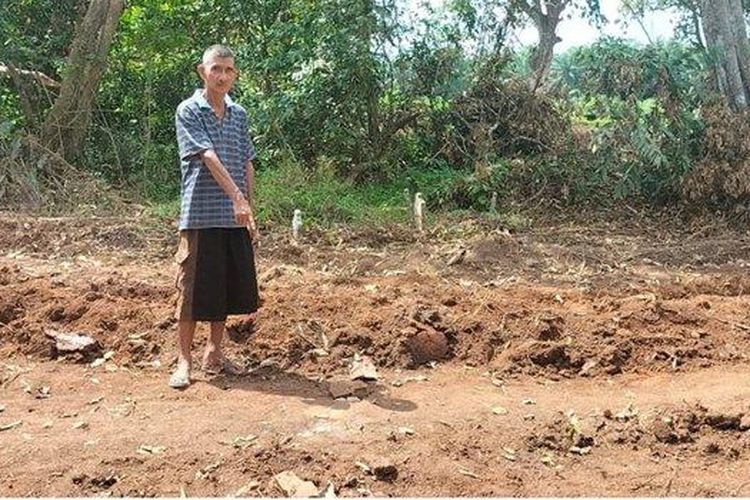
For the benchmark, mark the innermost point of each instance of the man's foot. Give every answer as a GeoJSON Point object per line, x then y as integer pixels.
{"type": "Point", "coordinates": [213, 365]}
{"type": "Point", "coordinates": [180, 378]}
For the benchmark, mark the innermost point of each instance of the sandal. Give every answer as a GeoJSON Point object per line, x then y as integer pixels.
{"type": "Point", "coordinates": [179, 380]}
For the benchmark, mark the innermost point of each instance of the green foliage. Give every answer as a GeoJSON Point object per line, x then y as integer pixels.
{"type": "Point", "coordinates": [635, 110]}
{"type": "Point", "coordinates": [324, 197]}
{"type": "Point", "coordinates": [349, 105]}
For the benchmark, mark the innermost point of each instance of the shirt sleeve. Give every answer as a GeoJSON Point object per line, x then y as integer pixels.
{"type": "Point", "coordinates": [192, 136]}
{"type": "Point", "coordinates": [248, 148]}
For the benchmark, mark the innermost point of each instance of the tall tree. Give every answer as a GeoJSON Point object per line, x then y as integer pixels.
{"type": "Point", "coordinates": [546, 16]}
{"type": "Point", "coordinates": [66, 125]}
{"type": "Point", "coordinates": [726, 40]}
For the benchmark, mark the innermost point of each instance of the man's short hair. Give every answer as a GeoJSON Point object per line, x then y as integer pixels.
{"type": "Point", "coordinates": [217, 50]}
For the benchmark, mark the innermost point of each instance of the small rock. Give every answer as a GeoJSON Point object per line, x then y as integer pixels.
{"type": "Point", "coordinates": [252, 485]}
{"type": "Point", "coordinates": [81, 425]}
{"type": "Point", "coordinates": [744, 423]}
{"type": "Point", "coordinates": [588, 367]}
{"type": "Point", "coordinates": [293, 486]}
{"type": "Point", "coordinates": [329, 492]}
{"type": "Point", "coordinates": [71, 342]}
{"type": "Point", "coordinates": [362, 368]}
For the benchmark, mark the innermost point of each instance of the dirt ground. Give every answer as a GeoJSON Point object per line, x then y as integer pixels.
{"type": "Point", "coordinates": [567, 359]}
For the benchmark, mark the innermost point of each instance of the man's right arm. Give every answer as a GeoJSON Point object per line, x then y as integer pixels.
{"type": "Point", "coordinates": [242, 213]}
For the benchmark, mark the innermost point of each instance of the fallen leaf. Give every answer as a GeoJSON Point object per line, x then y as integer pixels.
{"type": "Point", "coordinates": [364, 467]}
{"type": "Point", "coordinates": [241, 442]}
{"type": "Point", "coordinates": [206, 471]}
{"type": "Point", "coordinates": [81, 425]}
{"type": "Point", "coordinates": [585, 450]}
{"type": "Point", "coordinates": [466, 472]}
{"type": "Point", "coordinates": [145, 449]}
{"type": "Point", "coordinates": [42, 393]}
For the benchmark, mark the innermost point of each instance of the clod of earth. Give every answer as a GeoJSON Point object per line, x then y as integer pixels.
{"type": "Point", "coordinates": [384, 470]}
{"type": "Point", "coordinates": [427, 346]}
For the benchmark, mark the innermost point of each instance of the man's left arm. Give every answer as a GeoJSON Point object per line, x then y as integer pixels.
{"type": "Point", "coordinates": [250, 176]}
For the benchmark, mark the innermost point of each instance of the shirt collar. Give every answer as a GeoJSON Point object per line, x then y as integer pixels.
{"type": "Point", "coordinates": [203, 103]}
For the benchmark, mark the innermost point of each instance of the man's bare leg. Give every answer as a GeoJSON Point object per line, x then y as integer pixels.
{"type": "Point", "coordinates": [185, 333]}
{"type": "Point", "coordinates": [213, 357]}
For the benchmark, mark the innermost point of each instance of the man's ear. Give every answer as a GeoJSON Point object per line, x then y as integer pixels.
{"type": "Point", "coordinates": [201, 70]}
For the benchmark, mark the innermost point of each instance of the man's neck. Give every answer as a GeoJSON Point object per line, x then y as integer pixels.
{"type": "Point", "coordinates": [215, 100]}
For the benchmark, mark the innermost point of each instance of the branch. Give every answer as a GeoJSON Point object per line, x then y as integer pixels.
{"type": "Point", "coordinates": [40, 77]}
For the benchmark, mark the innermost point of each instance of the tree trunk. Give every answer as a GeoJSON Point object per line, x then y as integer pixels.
{"type": "Point", "coordinates": [541, 60]}
{"type": "Point", "coordinates": [66, 125]}
{"type": "Point", "coordinates": [726, 41]}
{"type": "Point", "coordinates": [546, 16]}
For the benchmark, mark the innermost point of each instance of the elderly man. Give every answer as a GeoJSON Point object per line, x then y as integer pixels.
{"type": "Point", "coordinates": [216, 274]}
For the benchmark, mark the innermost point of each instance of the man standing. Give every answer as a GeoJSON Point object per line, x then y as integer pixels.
{"type": "Point", "coordinates": [216, 274]}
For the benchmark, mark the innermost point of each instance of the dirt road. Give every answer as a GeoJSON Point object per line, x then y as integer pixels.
{"type": "Point", "coordinates": [597, 361]}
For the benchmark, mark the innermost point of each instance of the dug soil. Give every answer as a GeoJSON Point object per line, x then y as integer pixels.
{"type": "Point", "coordinates": [605, 359]}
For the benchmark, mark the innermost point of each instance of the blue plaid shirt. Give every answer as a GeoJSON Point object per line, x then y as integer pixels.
{"type": "Point", "coordinates": [204, 203]}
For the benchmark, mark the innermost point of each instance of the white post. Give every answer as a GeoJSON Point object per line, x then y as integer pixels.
{"type": "Point", "coordinates": [493, 203]}
{"type": "Point", "coordinates": [418, 210]}
{"type": "Point", "coordinates": [407, 200]}
{"type": "Point", "coordinates": [296, 224]}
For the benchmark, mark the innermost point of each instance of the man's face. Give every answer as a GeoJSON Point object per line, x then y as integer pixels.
{"type": "Point", "coordinates": [218, 74]}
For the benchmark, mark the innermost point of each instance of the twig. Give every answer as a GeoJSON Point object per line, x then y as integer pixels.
{"type": "Point", "coordinates": [733, 324]}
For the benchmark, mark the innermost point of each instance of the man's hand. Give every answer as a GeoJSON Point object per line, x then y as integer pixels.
{"type": "Point", "coordinates": [242, 213]}
{"type": "Point", "coordinates": [254, 233]}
